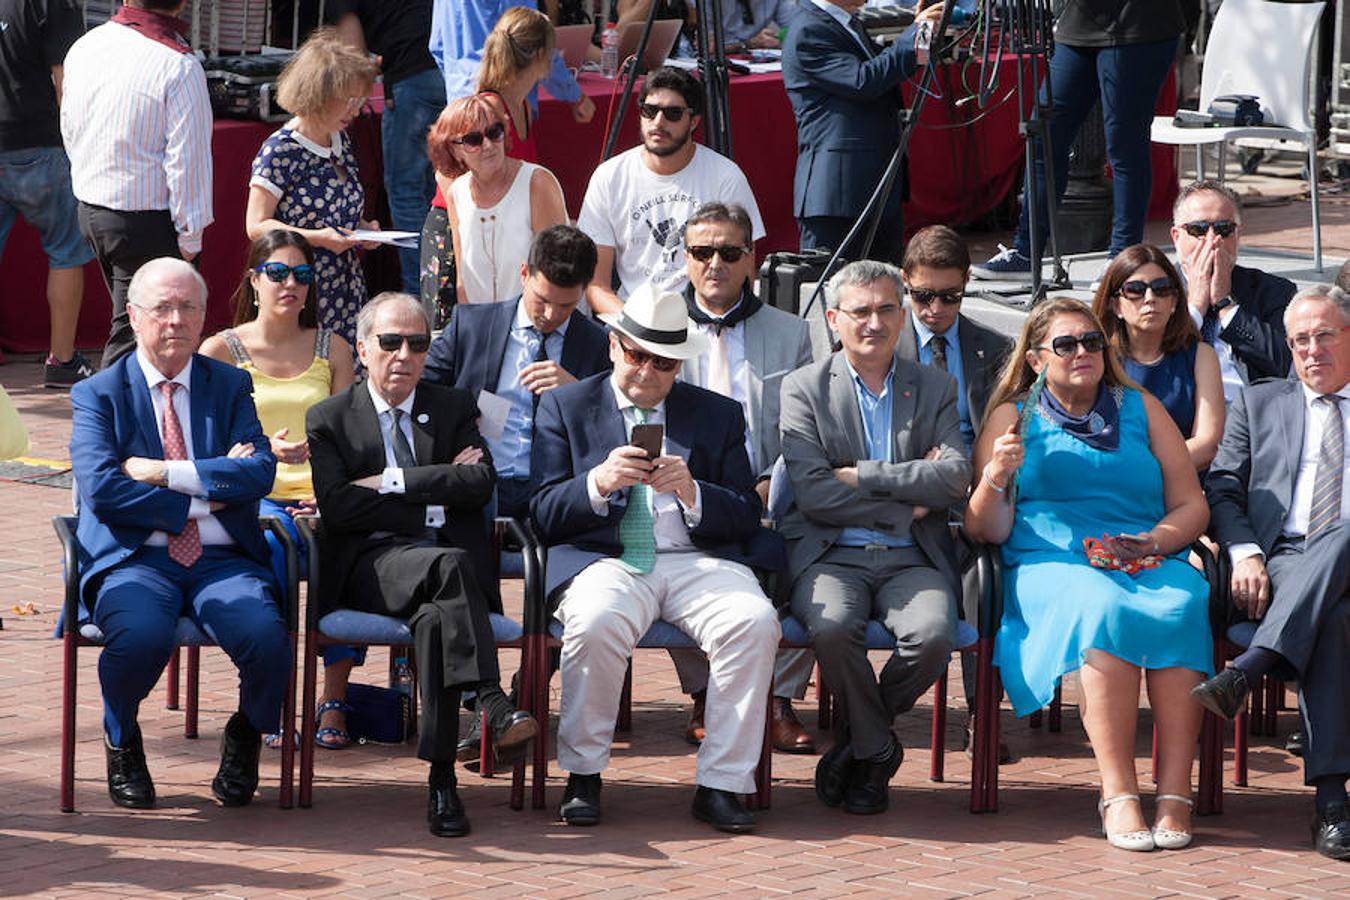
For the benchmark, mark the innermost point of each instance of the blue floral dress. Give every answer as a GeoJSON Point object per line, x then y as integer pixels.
{"type": "Point", "coordinates": [317, 187]}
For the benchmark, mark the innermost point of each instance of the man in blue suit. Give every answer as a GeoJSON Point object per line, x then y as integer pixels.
{"type": "Point", "coordinates": [518, 349]}
{"type": "Point", "coordinates": [171, 461]}
{"type": "Point", "coordinates": [667, 527]}
{"type": "Point", "coordinates": [845, 93]}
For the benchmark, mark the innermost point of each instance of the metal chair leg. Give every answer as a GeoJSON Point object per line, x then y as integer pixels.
{"type": "Point", "coordinates": [625, 721]}
{"type": "Point", "coordinates": [171, 681]}
{"type": "Point", "coordinates": [937, 754]}
{"type": "Point", "coordinates": [69, 682]}
{"type": "Point", "coordinates": [194, 667]}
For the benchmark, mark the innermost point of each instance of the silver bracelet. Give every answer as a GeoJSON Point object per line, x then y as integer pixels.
{"type": "Point", "coordinates": [993, 484]}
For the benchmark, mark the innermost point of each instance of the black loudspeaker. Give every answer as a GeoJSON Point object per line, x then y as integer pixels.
{"type": "Point", "coordinates": [782, 275]}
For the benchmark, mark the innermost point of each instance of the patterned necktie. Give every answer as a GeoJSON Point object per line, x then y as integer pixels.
{"type": "Point", "coordinates": [636, 528]}
{"type": "Point", "coordinates": [1326, 497]}
{"type": "Point", "coordinates": [1209, 326]}
{"type": "Point", "coordinates": [403, 454]}
{"type": "Point", "coordinates": [938, 345]}
{"type": "Point", "coordinates": [185, 547]}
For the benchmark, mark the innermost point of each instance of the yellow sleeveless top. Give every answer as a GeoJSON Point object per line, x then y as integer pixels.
{"type": "Point", "coordinates": [282, 403]}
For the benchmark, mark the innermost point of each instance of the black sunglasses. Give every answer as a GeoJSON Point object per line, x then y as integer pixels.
{"type": "Point", "coordinates": [1067, 344]}
{"type": "Point", "coordinates": [639, 358]}
{"type": "Point", "coordinates": [494, 132]}
{"type": "Point", "coordinates": [278, 272]}
{"type": "Point", "coordinates": [672, 113]}
{"type": "Point", "coordinates": [1135, 289]}
{"type": "Point", "coordinates": [729, 252]}
{"type": "Point", "coordinates": [923, 297]}
{"type": "Point", "coordinates": [391, 341]}
{"type": "Point", "coordinates": [1222, 227]}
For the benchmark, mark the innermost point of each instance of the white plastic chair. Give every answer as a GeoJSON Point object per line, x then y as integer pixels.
{"type": "Point", "coordinates": [1263, 48]}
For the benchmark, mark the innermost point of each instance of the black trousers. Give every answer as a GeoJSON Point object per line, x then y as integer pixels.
{"type": "Point", "coordinates": [1308, 623]}
{"type": "Point", "coordinates": [122, 243]}
{"type": "Point", "coordinates": [435, 588]}
{"type": "Point", "coordinates": [830, 231]}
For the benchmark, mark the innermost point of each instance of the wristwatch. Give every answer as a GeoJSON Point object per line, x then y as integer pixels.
{"type": "Point", "coordinates": [1223, 303]}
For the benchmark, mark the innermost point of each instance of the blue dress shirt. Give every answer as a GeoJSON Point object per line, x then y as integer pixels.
{"type": "Point", "coordinates": [876, 421]}
{"type": "Point", "coordinates": [511, 452]}
{"type": "Point", "coordinates": [954, 368]}
{"type": "Point", "coordinates": [459, 29]}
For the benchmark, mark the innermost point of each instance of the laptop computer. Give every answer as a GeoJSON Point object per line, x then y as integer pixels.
{"type": "Point", "coordinates": [573, 41]}
{"type": "Point", "coordinates": [665, 32]}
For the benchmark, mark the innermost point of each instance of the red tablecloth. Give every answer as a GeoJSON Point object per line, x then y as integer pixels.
{"type": "Point", "coordinates": [959, 170]}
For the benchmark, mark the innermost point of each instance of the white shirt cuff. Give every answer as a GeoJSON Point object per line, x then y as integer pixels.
{"type": "Point", "coordinates": [190, 243]}
{"type": "Point", "coordinates": [199, 508]}
{"type": "Point", "coordinates": [1238, 552]}
{"type": "Point", "coordinates": [599, 502]}
{"type": "Point", "coordinates": [435, 516]}
{"type": "Point", "coordinates": [391, 481]}
{"type": "Point", "coordinates": [1198, 319]}
{"type": "Point", "coordinates": [181, 476]}
{"type": "Point", "coordinates": [1226, 315]}
{"type": "Point", "coordinates": [693, 514]}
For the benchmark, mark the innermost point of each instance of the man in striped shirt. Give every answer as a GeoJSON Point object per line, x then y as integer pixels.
{"type": "Point", "coordinates": [136, 120]}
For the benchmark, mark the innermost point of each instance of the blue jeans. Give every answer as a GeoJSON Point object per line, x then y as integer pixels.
{"type": "Point", "coordinates": [410, 107]}
{"type": "Point", "coordinates": [1127, 79]}
{"type": "Point", "coordinates": [35, 184]}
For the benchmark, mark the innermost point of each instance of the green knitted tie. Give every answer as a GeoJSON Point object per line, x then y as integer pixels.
{"type": "Point", "coordinates": [635, 529]}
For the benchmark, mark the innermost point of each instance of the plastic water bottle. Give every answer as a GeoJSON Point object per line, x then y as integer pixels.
{"type": "Point", "coordinates": [609, 51]}
{"type": "Point", "coordinates": [401, 679]}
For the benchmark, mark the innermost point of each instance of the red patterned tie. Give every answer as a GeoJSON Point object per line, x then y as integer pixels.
{"type": "Point", "coordinates": [185, 548]}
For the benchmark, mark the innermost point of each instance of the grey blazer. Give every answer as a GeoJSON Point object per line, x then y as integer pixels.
{"type": "Point", "coordinates": [983, 352]}
{"type": "Point", "coordinates": [776, 344]}
{"type": "Point", "coordinates": [822, 430]}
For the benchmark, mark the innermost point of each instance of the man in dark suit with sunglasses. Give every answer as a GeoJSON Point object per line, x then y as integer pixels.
{"type": "Point", "coordinates": [402, 477]}
{"type": "Point", "coordinates": [1237, 309]}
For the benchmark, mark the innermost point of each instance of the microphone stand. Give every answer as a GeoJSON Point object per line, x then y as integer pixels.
{"type": "Point", "coordinates": [712, 64]}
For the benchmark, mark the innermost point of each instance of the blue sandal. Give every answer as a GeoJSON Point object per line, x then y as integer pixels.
{"type": "Point", "coordinates": [341, 739]}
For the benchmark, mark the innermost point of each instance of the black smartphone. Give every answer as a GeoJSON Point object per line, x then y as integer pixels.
{"type": "Point", "coordinates": [649, 438]}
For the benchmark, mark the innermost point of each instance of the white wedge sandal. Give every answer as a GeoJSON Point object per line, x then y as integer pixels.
{"type": "Point", "coordinates": [1137, 841]}
{"type": "Point", "coordinates": [1169, 838]}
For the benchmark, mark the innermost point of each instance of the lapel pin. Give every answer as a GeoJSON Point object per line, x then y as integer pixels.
{"type": "Point", "coordinates": [423, 418]}
{"type": "Point", "coordinates": [979, 354]}
{"type": "Point", "coordinates": [908, 393]}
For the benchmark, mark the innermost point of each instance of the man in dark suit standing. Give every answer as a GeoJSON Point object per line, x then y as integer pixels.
{"type": "Point", "coordinates": [1237, 309]}
{"type": "Point", "coordinates": [518, 349]}
{"type": "Point", "coordinates": [845, 93]}
{"type": "Point", "coordinates": [1279, 501]}
{"type": "Point", "coordinates": [402, 479]}
{"type": "Point", "coordinates": [662, 525]}
{"type": "Point", "coordinates": [171, 461]}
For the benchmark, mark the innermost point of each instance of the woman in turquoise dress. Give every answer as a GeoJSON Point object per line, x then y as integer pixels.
{"type": "Point", "coordinates": [1097, 459]}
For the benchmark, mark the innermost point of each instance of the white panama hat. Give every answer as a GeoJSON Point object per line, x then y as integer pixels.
{"type": "Point", "coordinates": [658, 323]}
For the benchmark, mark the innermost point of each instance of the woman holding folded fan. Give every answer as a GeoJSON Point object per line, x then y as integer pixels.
{"type": "Point", "coordinates": [295, 363]}
{"type": "Point", "coordinates": [1086, 482]}
{"type": "Point", "coordinates": [305, 178]}
{"type": "Point", "coordinates": [1142, 307]}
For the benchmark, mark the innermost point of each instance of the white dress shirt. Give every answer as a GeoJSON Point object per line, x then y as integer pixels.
{"type": "Point", "coordinates": [181, 474]}
{"type": "Point", "coordinates": [391, 479]}
{"type": "Point", "coordinates": [671, 519]}
{"type": "Point", "coordinates": [136, 120]}
{"type": "Point", "coordinates": [737, 365]}
{"type": "Point", "coordinates": [1231, 368]}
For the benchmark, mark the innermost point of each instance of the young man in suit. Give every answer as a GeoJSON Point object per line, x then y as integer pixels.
{"type": "Point", "coordinates": [1279, 504]}
{"type": "Point", "coordinates": [401, 476]}
{"type": "Point", "coordinates": [662, 525]}
{"type": "Point", "coordinates": [874, 450]}
{"type": "Point", "coordinates": [751, 348]}
{"type": "Point", "coordinates": [520, 348]}
{"type": "Point", "coordinates": [171, 461]}
{"type": "Point", "coordinates": [845, 94]}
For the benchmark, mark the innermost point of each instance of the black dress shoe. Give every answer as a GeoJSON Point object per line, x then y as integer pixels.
{"type": "Point", "coordinates": [470, 746]}
{"type": "Point", "coordinates": [832, 772]}
{"type": "Point", "coordinates": [445, 812]}
{"type": "Point", "coordinates": [869, 783]}
{"type": "Point", "coordinates": [1331, 831]}
{"type": "Point", "coordinates": [581, 800]}
{"type": "Point", "coordinates": [129, 781]}
{"type": "Point", "coordinates": [237, 778]}
{"type": "Point", "coordinates": [722, 810]}
{"type": "Point", "coordinates": [1295, 745]}
{"type": "Point", "coordinates": [1225, 694]}
{"type": "Point", "coordinates": [511, 732]}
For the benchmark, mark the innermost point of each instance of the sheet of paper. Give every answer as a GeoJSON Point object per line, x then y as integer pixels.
{"type": "Point", "coordinates": [408, 239]}
{"type": "Point", "coordinates": [493, 411]}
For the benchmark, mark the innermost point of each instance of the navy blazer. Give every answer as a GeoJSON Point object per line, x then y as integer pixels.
{"type": "Point", "coordinates": [576, 427]}
{"type": "Point", "coordinates": [469, 353]}
{"type": "Point", "coordinates": [1256, 332]}
{"type": "Point", "coordinates": [847, 108]}
{"type": "Point", "coordinates": [114, 419]}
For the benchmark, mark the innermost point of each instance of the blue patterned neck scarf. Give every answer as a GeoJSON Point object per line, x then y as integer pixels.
{"type": "Point", "coordinates": [1099, 429]}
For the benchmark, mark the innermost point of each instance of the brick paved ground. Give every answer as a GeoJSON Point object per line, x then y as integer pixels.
{"type": "Point", "coordinates": [365, 837]}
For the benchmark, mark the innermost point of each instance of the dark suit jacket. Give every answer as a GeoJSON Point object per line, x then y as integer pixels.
{"type": "Point", "coordinates": [114, 418]}
{"type": "Point", "coordinates": [1250, 484]}
{"type": "Point", "coordinates": [345, 444]}
{"type": "Point", "coordinates": [578, 424]}
{"type": "Point", "coordinates": [847, 108]}
{"type": "Point", "coordinates": [983, 352]}
{"type": "Point", "coordinates": [1256, 333]}
{"type": "Point", "coordinates": [469, 354]}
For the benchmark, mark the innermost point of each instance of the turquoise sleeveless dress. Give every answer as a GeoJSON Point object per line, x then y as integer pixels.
{"type": "Point", "coordinates": [1056, 607]}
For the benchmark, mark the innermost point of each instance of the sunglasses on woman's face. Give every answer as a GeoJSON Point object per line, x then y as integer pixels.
{"type": "Point", "coordinates": [278, 272]}
{"type": "Point", "coordinates": [729, 252]}
{"type": "Point", "coordinates": [1067, 344]}
{"type": "Point", "coordinates": [474, 139]}
{"type": "Point", "coordinates": [1162, 288]}
{"type": "Point", "coordinates": [390, 342]}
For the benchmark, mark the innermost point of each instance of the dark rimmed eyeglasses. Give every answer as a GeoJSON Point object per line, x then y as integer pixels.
{"type": "Point", "coordinates": [639, 358]}
{"type": "Point", "coordinates": [924, 297]}
{"type": "Point", "coordinates": [1068, 344]}
{"type": "Point", "coordinates": [278, 272]}
{"type": "Point", "coordinates": [474, 140]}
{"type": "Point", "coordinates": [672, 113]}
{"type": "Point", "coordinates": [1222, 227]}
{"type": "Point", "coordinates": [1135, 289]}
{"type": "Point", "coordinates": [730, 253]}
{"type": "Point", "coordinates": [391, 341]}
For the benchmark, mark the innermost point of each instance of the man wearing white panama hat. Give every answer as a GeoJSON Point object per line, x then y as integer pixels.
{"type": "Point", "coordinates": [633, 538]}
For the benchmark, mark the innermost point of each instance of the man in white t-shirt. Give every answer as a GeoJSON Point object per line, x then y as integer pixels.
{"type": "Point", "coordinates": [637, 202]}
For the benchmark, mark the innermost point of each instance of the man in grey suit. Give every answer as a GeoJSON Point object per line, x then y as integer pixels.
{"type": "Point", "coordinates": [874, 452]}
{"type": "Point", "coordinates": [751, 348]}
{"type": "Point", "coordinates": [1279, 503]}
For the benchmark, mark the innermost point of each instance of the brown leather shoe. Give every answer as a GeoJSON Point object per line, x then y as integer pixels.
{"type": "Point", "coordinates": [693, 732]}
{"type": "Point", "coordinates": [789, 736]}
